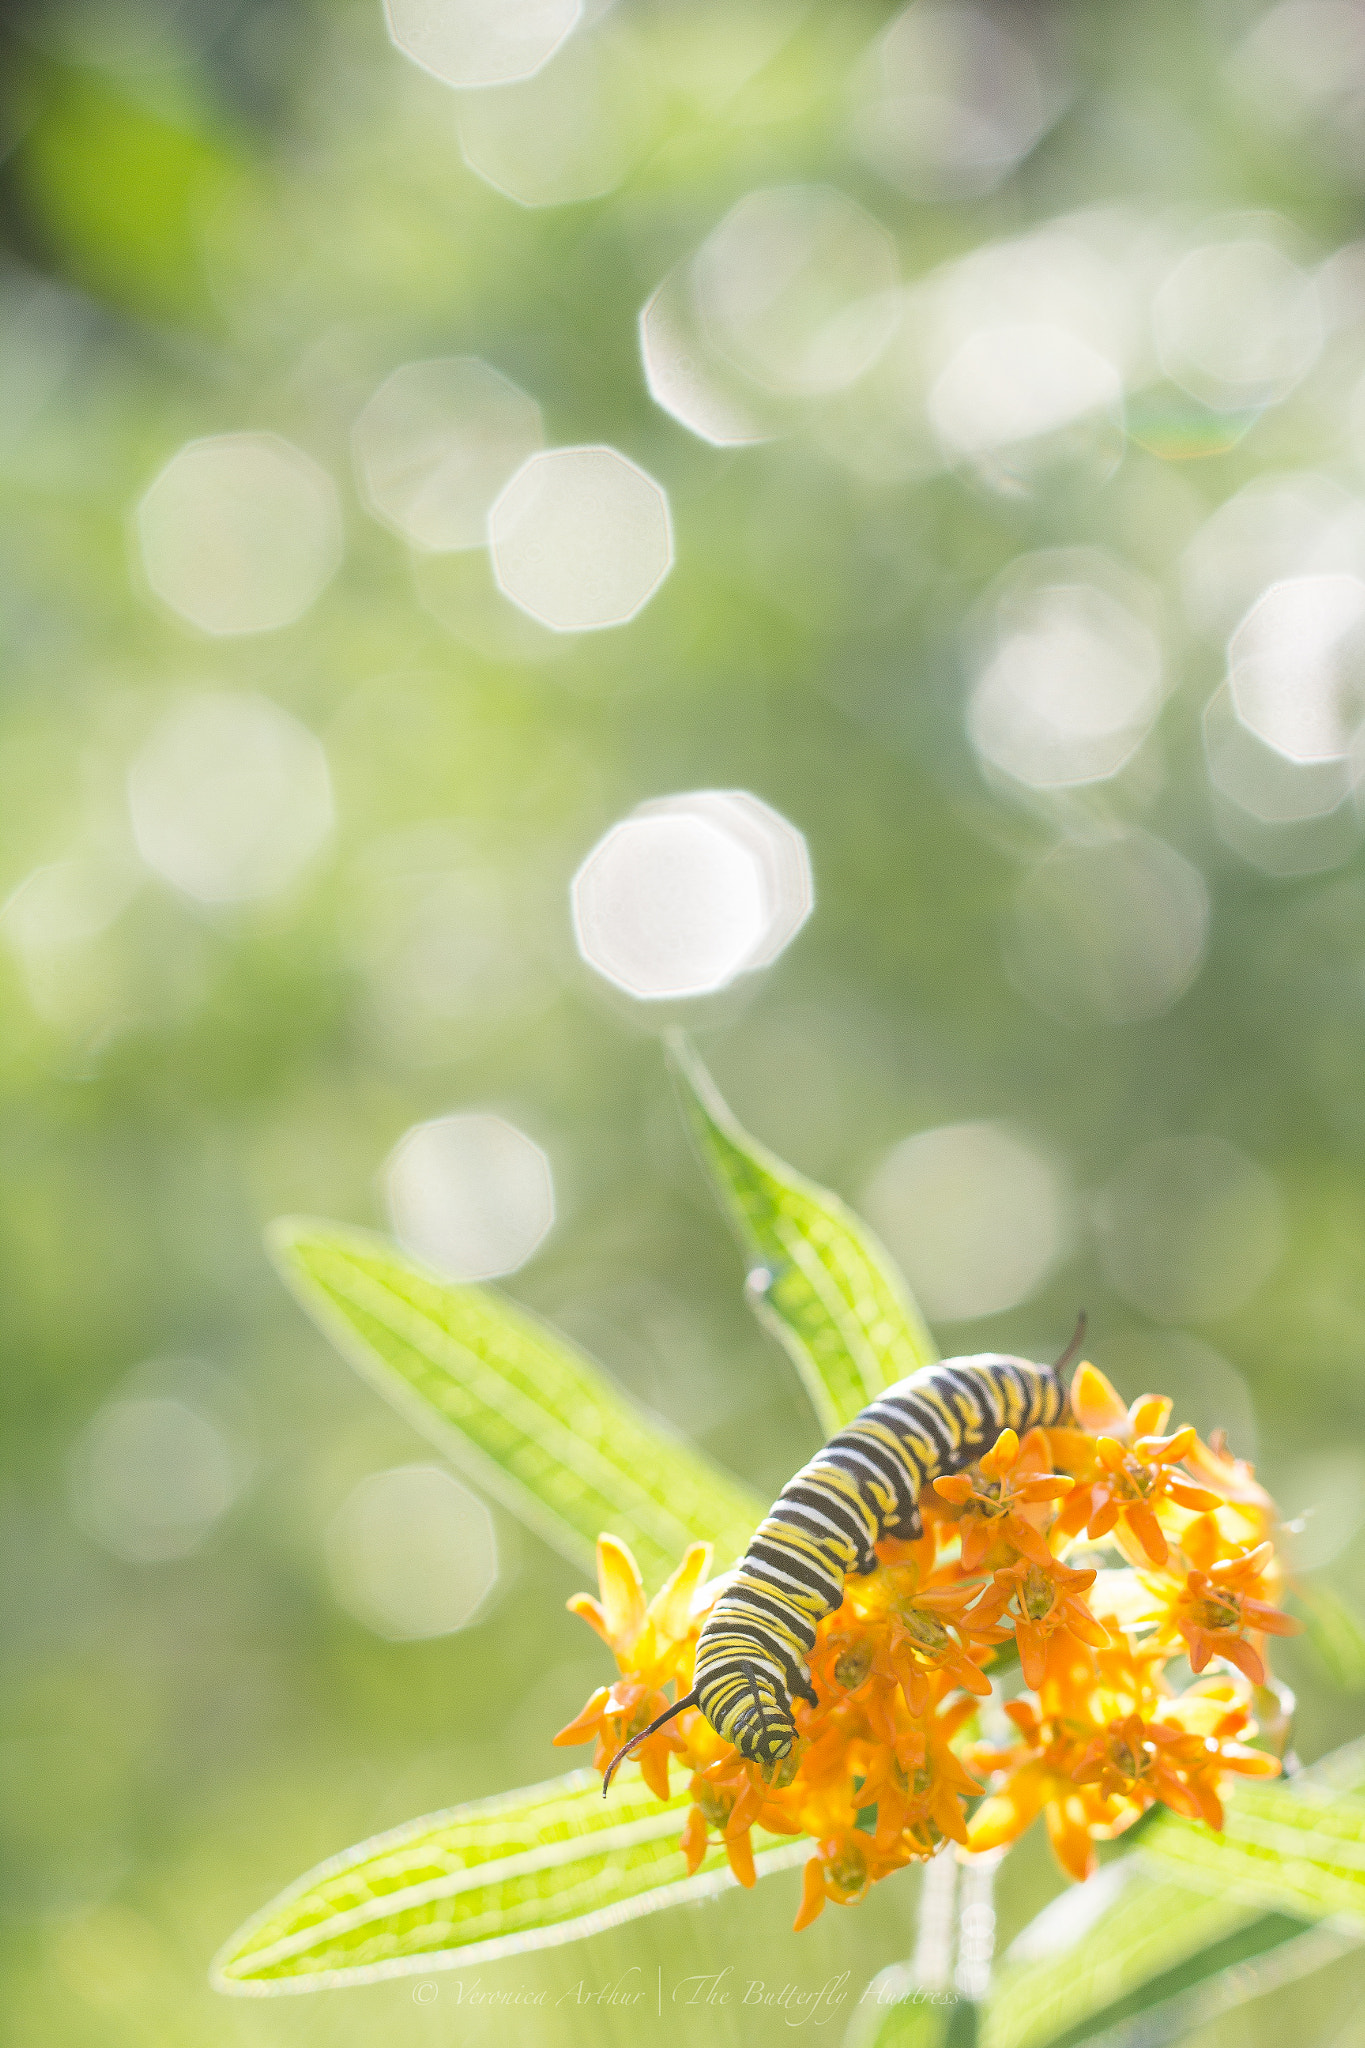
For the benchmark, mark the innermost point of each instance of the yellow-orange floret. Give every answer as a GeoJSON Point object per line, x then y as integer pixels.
{"type": "Point", "coordinates": [1216, 1610]}
{"type": "Point", "coordinates": [995, 1506]}
{"type": "Point", "coordinates": [889, 1763]}
{"type": "Point", "coordinates": [653, 1645]}
{"type": "Point", "coordinates": [1045, 1598]}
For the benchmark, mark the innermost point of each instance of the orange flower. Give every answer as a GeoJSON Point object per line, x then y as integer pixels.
{"type": "Point", "coordinates": [1129, 1484]}
{"type": "Point", "coordinates": [918, 1783]}
{"type": "Point", "coordinates": [882, 1772]}
{"type": "Point", "coordinates": [728, 1797]}
{"type": "Point", "coordinates": [1215, 1609]}
{"type": "Point", "coordinates": [1037, 1778]}
{"type": "Point", "coordinates": [653, 1645]}
{"type": "Point", "coordinates": [1100, 1409]}
{"type": "Point", "coordinates": [994, 1510]}
{"type": "Point", "coordinates": [906, 1633]}
{"type": "Point", "coordinates": [1046, 1598]}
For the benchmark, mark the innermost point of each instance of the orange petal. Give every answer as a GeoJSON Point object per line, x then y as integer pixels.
{"type": "Point", "coordinates": [587, 1609]}
{"type": "Point", "coordinates": [1210, 1805]}
{"type": "Point", "coordinates": [622, 1589]}
{"type": "Point", "coordinates": [1166, 1449]}
{"type": "Point", "coordinates": [1196, 1497]}
{"type": "Point", "coordinates": [1269, 1620]}
{"type": "Point", "coordinates": [586, 1722]}
{"type": "Point", "coordinates": [652, 1757]}
{"type": "Point", "coordinates": [745, 1809]}
{"type": "Point", "coordinates": [1002, 1454]}
{"type": "Point", "coordinates": [1027, 1541]}
{"type": "Point", "coordinates": [1110, 1452]}
{"type": "Point", "coordinates": [1149, 1414]}
{"type": "Point", "coordinates": [812, 1895]}
{"type": "Point", "coordinates": [1032, 1652]}
{"type": "Point", "coordinates": [957, 1488]}
{"type": "Point", "coordinates": [991, 1605]}
{"type": "Point", "coordinates": [1095, 1403]}
{"type": "Point", "coordinates": [1249, 1565]}
{"type": "Point", "coordinates": [671, 1608]}
{"type": "Point", "coordinates": [1004, 1816]}
{"type": "Point", "coordinates": [1074, 1513]}
{"type": "Point", "coordinates": [1251, 1763]}
{"type": "Point", "coordinates": [1241, 1654]}
{"type": "Point", "coordinates": [740, 1852]}
{"type": "Point", "coordinates": [1051, 1487]}
{"type": "Point", "coordinates": [693, 1843]}
{"type": "Point", "coordinates": [1147, 1529]}
{"type": "Point", "coordinates": [968, 1675]}
{"type": "Point", "coordinates": [1200, 1645]}
{"type": "Point", "coordinates": [1201, 1542]}
{"type": "Point", "coordinates": [1071, 1843]}
{"type": "Point", "coordinates": [1082, 1623]}
{"type": "Point", "coordinates": [1180, 1798]}
{"type": "Point", "coordinates": [946, 1810]}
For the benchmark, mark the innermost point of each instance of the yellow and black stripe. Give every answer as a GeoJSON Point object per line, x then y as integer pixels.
{"type": "Point", "coordinates": [864, 1484]}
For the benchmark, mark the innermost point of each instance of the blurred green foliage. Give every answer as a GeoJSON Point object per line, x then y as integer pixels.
{"type": "Point", "coordinates": [244, 221]}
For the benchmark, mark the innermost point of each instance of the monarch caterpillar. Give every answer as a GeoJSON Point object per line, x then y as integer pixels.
{"type": "Point", "coordinates": [862, 1486]}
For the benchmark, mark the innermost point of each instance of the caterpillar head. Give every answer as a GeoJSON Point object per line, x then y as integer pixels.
{"type": "Point", "coordinates": [760, 1721]}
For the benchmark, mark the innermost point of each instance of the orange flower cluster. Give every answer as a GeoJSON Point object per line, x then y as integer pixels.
{"type": "Point", "coordinates": [911, 1744]}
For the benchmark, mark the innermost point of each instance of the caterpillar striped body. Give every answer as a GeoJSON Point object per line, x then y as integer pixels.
{"type": "Point", "coordinates": [864, 1485]}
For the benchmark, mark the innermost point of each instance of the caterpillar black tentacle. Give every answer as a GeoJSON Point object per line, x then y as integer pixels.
{"type": "Point", "coordinates": [864, 1485]}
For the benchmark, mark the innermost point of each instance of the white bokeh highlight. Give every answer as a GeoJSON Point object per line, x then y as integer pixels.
{"type": "Point", "coordinates": [1296, 666]}
{"type": "Point", "coordinates": [1109, 931]}
{"type": "Point", "coordinates": [686, 377]}
{"type": "Point", "coordinates": [64, 903]}
{"type": "Point", "coordinates": [471, 43]}
{"type": "Point", "coordinates": [156, 1468]}
{"type": "Point", "coordinates": [412, 1554]}
{"type": "Point", "coordinates": [689, 892]}
{"type": "Point", "coordinates": [1301, 72]}
{"type": "Point", "coordinates": [1238, 323]}
{"type": "Point", "coordinates": [436, 444]}
{"type": "Point", "coordinates": [240, 533]}
{"type": "Point", "coordinates": [796, 287]}
{"type": "Point", "coordinates": [581, 538]}
{"type": "Point", "coordinates": [1190, 1228]}
{"type": "Point", "coordinates": [1071, 682]}
{"type": "Point", "coordinates": [230, 798]}
{"type": "Point", "coordinates": [949, 100]}
{"type": "Point", "coordinates": [470, 1195]}
{"type": "Point", "coordinates": [569, 134]}
{"type": "Point", "coordinates": [978, 1217]}
{"type": "Point", "coordinates": [1016, 356]}
{"type": "Point", "coordinates": [1262, 780]}
{"type": "Point", "coordinates": [1016, 383]}
{"type": "Point", "coordinates": [1275, 528]}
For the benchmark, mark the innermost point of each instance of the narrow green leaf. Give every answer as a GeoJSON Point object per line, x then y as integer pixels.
{"type": "Point", "coordinates": [526, 1870]}
{"type": "Point", "coordinates": [1274, 1951]}
{"type": "Point", "coordinates": [819, 1280]}
{"type": "Point", "coordinates": [1283, 1849]}
{"type": "Point", "coordinates": [513, 1404]}
{"type": "Point", "coordinates": [1095, 1946]}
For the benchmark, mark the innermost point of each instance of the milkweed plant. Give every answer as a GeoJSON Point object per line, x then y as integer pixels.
{"type": "Point", "coordinates": [1080, 1633]}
